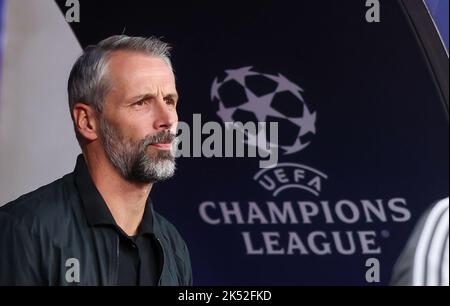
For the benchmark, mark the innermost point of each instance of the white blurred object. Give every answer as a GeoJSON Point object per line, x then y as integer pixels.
{"type": "Point", "coordinates": [37, 142]}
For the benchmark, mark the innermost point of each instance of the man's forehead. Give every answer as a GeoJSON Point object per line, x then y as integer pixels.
{"type": "Point", "coordinates": [141, 73]}
{"type": "Point", "coordinates": [126, 64]}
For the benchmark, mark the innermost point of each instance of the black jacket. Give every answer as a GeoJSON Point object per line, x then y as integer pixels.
{"type": "Point", "coordinates": [41, 231]}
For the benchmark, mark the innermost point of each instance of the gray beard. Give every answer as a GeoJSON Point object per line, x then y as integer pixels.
{"type": "Point", "coordinates": [132, 159]}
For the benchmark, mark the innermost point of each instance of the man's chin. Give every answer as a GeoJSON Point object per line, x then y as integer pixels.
{"type": "Point", "coordinates": [157, 172]}
{"type": "Point", "coordinates": [157, 155]}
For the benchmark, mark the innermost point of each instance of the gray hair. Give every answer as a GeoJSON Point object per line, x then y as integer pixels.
{"type": "Point", "coordinates": [88, 82]}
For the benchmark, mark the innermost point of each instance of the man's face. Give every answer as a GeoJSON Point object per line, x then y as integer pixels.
{"type": "Point", "coordinates": [139, 117]}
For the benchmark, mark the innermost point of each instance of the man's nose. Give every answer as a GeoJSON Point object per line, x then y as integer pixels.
{"type": "Point", "coordinates": [165, 116]}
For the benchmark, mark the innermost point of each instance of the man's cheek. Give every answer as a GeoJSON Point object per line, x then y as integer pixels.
{"type": "Point", "coordinates": [174, 128]}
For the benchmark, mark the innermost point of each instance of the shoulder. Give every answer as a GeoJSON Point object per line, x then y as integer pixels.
{"type": "Point", "coordinates": [430, 241]}
{"type": "Point", "coordinates": [424, 260]}
{"type": "Point", "coordinates": [42, 205]}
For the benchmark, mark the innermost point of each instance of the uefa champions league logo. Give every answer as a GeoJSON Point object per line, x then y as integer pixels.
{"type": "Point", "coordinates": [265, 97]}
{"type": "Point", "coordinates": [244, 95]}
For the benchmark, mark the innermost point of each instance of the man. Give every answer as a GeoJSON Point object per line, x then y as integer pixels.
{"type": "Point", "coordinates": [425, 258]}
{"type": "Point", "coordinates": [97, 226]}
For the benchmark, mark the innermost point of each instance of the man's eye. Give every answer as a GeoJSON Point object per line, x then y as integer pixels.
{"type": "Point", "coordinates": [139, 103]}
{"type": "Point", "coordinates": [170, 101]}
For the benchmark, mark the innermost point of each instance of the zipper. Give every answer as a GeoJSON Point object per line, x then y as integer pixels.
{"type": "Point", "coordinates": [161, 251]}
{"type": "Point", "coordinates": [116, 271]}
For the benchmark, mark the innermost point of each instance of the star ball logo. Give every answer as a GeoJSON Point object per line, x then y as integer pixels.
{"type": "Point", "coordinates": [261, 96]}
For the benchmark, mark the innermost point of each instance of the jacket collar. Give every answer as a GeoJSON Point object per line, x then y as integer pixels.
{"type": "Point", "coordinates": [97, 212]}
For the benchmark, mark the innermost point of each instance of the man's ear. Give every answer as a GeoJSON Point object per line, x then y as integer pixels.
{"type": "Point", "coordinates": [84, 118]}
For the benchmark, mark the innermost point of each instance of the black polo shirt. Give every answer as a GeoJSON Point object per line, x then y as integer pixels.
{"type": "Point", "coordinates": [140, 256]}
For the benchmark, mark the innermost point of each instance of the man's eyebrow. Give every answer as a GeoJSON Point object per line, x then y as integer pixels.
{"type": "Point", "coordinates": [173, 96]}
{"type": "Point", "coordinates": [143, 96]}
{"type": "Point", "coordinates": [152, 96]}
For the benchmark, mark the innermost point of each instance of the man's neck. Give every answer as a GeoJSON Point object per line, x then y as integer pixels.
{"type": "Point", "coordinates": [125, 200]}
